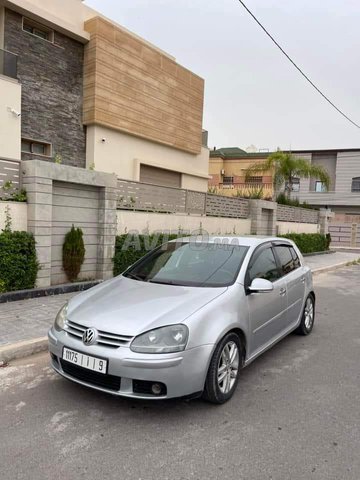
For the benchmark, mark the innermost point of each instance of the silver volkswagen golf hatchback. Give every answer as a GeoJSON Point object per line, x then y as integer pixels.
{"type": "Point", "coordinates": [185, 319]}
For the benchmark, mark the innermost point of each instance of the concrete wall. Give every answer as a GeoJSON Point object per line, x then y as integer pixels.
{"type": "Point", "coordinates": [292, 227]}
{"type": "Point", "coordinates": [151, 222]}
{"type": "Point", "coordinates": [10, 124]}
{"type": "Point", "coordinates": [18, 214]}
{"type": "Point", "coordinates": [51, 74]}
{"type": "Point", "coordinates": [122, 154]}
{"type": "Point", "coordinates": [132, 87]}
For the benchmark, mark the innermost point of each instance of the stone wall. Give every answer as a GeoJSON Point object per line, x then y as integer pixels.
{"type": "Point", "coordinates": [221, 206]}
{"type": "Point", "coordinates": [285, 213]}
{"type": "Point", "coordinates": [51, 75]}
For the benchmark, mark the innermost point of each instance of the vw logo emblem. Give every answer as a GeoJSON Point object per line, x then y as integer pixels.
{"type": "Point", "coordinates": [89, 337]}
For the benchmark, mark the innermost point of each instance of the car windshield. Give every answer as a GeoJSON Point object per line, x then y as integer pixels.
{"type": "Point", "coordinates": [190, 263]}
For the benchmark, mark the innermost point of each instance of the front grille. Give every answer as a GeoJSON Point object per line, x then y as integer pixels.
{"type": "Point", "coordinates": [111, 340]}
{"type": "Point", "coordinates": [94, 378]}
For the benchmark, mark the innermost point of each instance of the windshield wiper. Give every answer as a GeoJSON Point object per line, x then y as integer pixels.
{"type": "Point", "coordinates": [134, 276]}
{"type": "Point", "coordinates": [163, 282]}
{"type": "Point", "coordinates": [169, 282]}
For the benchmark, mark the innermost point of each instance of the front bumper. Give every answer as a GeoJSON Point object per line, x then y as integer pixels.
{"type": "Point", "coordinates": [182, 373]}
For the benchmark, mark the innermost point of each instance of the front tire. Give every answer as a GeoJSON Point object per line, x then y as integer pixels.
{"type": "Point", "coordinates": [308, 317]}
{"type": "Point", "coordinates": [224, 369]}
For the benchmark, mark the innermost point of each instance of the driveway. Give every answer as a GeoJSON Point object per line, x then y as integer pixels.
{"type": "Point", "coordinates": [295, 415]}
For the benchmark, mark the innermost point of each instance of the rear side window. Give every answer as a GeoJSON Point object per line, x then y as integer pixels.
{"type": "Point", "coordinates": [295, 257]}
{"type": "Point", "coordinates": [287, 261]}
{"type": "Point", "coordinates": [264, 266]}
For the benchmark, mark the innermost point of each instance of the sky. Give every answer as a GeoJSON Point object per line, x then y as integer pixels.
{"type": "Point", "coordinates": [253, 95]}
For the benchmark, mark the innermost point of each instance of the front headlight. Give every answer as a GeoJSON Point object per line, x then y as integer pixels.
{"type": "Point", "coordinates": [162, 340]}
{"type": "Point", "coordinates": [61, 318]}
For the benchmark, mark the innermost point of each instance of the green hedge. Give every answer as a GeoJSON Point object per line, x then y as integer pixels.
{"type": "Point", "coordinates": [130, 247]}
{"type": "Point", "coordinates": [18, 262]}
{"type": "Point", "coordinates": [310, 242]}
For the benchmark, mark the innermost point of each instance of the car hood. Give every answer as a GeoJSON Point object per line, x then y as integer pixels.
{"type": "Point", "coordinates": [128, 307]}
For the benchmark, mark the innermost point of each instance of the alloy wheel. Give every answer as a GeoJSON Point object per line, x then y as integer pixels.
{"type": "Point", "coordinates": [228, 367]}
{"type": "Point", "coordinates": [309, 313]}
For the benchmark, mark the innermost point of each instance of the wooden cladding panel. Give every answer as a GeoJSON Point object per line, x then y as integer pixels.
{"type": "Point", "coordinates": [132, 87]}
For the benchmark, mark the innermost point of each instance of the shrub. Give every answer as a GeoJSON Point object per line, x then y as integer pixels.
{"type": "Point", "coordinates": [9, 193]}
{"type": "Point", "coordinates": [255, 194]}
{"type": "Point", "coordinates": [73, 253]}
{"type": "Point", "coordinates": [282, 199]}
{"type": "Point", "coordinates": [130, 247]}
{"type": "Point", "coordinates": [18, 262]}
{"type": "Point", "coordinates": [309, 242]}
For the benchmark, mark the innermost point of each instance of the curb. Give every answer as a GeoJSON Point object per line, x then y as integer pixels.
{"type": "Point", "coordinates": [22, 349]}
{"type": "Point", "coordinates": [329, 268]}
{"type": "Point", "coordinates": [47, 291]}
{"type": "Point", "coordinates": [313, 254]}
{"type": "Point", "coordinates": [26, 348]}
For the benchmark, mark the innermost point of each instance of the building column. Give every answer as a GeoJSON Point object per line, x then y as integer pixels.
{"type": "Point", "coordinates": [107, 232]}
{"type": "Point", "coordinates": [38, 178]}
{"type": "Point", "coordinates": [39, 201]}
{"type": "Point", "coordinates": [325, 216]}
{"type": "Point", "coordinates": [263, 217]}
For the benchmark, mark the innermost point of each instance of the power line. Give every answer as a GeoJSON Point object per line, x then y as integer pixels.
{"type": "Point", "coordinates": [298, 68]}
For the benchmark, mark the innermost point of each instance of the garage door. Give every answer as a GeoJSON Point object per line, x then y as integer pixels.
{"type": "Point", "coordinates": [160, 176]}
{"type": "Point", "coordinates": [76, 205]}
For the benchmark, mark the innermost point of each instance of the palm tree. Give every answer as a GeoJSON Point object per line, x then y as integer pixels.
{"type": "Point", "coordinates": [285, 167]}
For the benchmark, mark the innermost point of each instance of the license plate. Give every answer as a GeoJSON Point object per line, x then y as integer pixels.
{"type": "Point", "coordinates": [86, 361]}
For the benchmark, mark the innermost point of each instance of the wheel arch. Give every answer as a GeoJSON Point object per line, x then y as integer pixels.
{"type": "Point", "coordinates": [312, 293]}
{"type": "Point", "coordinates": [241, 334]}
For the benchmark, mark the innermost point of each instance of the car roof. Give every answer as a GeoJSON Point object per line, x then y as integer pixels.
{"type": "Point", "coordinates": [247, 241]}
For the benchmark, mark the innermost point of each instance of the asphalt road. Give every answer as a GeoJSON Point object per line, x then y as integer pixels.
{"type": "Point", "coordinates": [295, 415]}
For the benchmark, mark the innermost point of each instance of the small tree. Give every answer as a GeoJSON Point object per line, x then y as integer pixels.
{"type": "Point", "coordinates": [285, 167]}
{"type": "Point", "coordinates": [73, 253]}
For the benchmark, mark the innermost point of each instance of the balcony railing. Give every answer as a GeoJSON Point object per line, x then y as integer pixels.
{"type": "Point", "coordinates": [8, 64]}
{"type": "Point", "coordinates": [246, 185]}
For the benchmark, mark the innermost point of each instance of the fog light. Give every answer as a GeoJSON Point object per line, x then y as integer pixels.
{"type": "Point", "coordinates": [156, 388]}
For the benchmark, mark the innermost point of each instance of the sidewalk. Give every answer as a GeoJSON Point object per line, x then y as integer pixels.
{"type": "Point", "coordinates": [319, 263]}
{"type": "Point", "coordinates": [24, 324]}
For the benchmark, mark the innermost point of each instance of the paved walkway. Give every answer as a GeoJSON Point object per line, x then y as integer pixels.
{"type": "Point", "coordinates": [30, 319]}
{"type": "Point", "coordinates": [322, 261]}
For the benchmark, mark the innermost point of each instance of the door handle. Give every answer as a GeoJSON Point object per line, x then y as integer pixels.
{"type": "Point", "coordinates": [303, 280]}
{"type": "Point", "coordinates": [282, 291]}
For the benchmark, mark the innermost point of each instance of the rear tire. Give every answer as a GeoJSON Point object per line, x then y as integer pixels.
{"type": "Point", "coordinates": [308, 317]}
{"type": "Point", "coordinates": [224, 369]}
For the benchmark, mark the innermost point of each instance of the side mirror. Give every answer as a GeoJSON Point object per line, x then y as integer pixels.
{"type": "Point", "coordinates": [260, 285]}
